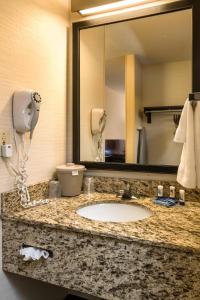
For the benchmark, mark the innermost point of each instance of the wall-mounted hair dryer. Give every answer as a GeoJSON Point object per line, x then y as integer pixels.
{"type": "Point", "coordinates": [25, 113]}
{"type": "Point", "coordinates": [26, 109]}
{"type": "Point", "coordinates": [98, 121]}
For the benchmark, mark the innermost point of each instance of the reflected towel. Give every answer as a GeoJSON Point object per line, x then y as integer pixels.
{"type": "Point", "coordinates": [142, 146]}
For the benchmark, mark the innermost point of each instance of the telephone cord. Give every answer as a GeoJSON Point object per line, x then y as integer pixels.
{"type": "Point", "coordinates": [19, 171]}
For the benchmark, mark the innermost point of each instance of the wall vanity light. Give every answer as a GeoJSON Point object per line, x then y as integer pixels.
{"type": "Point", "coordinates": [112, 6]}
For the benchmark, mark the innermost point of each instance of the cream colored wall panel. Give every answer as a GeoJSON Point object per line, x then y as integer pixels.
{"type": "Point", "coordinates": [33, 51]}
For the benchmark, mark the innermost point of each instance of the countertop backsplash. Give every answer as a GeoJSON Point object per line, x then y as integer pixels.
{"type": "Point", "coordinates": [10, 201]}
{"type": "Point", "coordinates": [140, 188]}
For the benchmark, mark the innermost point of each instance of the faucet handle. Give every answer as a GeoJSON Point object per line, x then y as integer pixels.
{"type": "Point", "coordinates": [120, 193]}
{"type": "Point", "coordinates": [127, 194]}
{"type": "Point", "coordinates": [128, 186]}
{"type": "Point", "coordinates": [127, 191]}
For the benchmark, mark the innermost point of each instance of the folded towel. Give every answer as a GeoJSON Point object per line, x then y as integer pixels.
{"type": "Point", "coordinates": [165, 201]}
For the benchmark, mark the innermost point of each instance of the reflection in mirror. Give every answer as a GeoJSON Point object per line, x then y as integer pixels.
{"type": "Point", "coordinates": [134, 79]}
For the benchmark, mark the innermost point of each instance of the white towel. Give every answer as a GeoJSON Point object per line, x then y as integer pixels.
{"type": "Point", "coordinates": [197, 142]}
{"type": "Point", "coordinates": [185, 134]}
{"type": "Point", "coordinates": [31, 253]}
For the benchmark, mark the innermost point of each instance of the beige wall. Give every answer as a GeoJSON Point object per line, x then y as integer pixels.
{"type": "Point", "coordinates": [33, 51]}
{"type": "Point", "coordinates": [33, 55]}
{"type": "Point", "coordinates": [115, 98]}
{"type": "Point", "coordinates": [92, 85]}
{"type": "Point", "coordinates": [166, 83]}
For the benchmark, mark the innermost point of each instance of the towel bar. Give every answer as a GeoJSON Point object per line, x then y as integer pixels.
{"type": "Point", "coordinates": [194, 96]}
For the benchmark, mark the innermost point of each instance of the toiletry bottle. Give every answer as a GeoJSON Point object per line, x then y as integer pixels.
{"type": "Point", "coordinates": [181, 197]}
{"type": "Point", "coordinates": [160, 191]}
{"type": "Point", "coordinates": [172, 192]}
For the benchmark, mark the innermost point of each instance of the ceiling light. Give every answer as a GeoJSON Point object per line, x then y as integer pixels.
{"type": "Point", "coordinates": [111, 6]}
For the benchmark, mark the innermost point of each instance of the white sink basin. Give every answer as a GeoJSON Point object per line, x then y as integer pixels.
{"type": "Point", "coordinates": [114, 212]}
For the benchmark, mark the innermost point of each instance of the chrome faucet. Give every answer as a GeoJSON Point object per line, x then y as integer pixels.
{"type": "Point", "coordinates": [126, 193]}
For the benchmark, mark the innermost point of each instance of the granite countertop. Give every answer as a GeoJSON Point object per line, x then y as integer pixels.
{"type": "Point", "coordinates": [174, 227]}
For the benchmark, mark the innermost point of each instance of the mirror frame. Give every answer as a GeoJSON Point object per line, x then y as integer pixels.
{"type": "Point", "coordinates": [160, 9]}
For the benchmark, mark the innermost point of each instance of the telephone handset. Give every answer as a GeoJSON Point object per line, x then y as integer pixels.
{"type": "Point", "coordinates": [26, 109]}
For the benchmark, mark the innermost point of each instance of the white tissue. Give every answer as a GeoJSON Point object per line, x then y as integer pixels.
{"type": "Point", "coordinates": [31, 253]}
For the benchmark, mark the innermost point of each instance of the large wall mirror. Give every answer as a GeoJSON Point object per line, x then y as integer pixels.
{"type": "Point", "coordinates": [133, 79]}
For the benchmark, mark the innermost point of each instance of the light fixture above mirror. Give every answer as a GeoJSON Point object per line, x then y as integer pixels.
{"type": "Point", "coordinates": [112, 6]}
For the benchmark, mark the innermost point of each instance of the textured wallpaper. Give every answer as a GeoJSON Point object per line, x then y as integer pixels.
{"type": "Point", "coordinates": [33, 55]}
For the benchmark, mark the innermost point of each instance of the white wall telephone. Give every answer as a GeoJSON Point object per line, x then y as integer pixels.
{"type": "Point", "coordinates": [26, 109]}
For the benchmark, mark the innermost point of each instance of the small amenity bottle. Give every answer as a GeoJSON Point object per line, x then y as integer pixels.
{"type": "Point", "coordinates": [160, 191]}
{"type": "Point", "coordinates": [181, 197]}
{"type": "Point", "coordinates": [172, 192]}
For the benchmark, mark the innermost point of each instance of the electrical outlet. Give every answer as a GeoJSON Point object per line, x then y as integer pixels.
{"type": "Point", "coordinates": [5, 137]}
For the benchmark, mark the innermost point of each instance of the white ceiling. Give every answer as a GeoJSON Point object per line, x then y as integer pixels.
{"type": "Point", "coordinates": [156, 39]}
